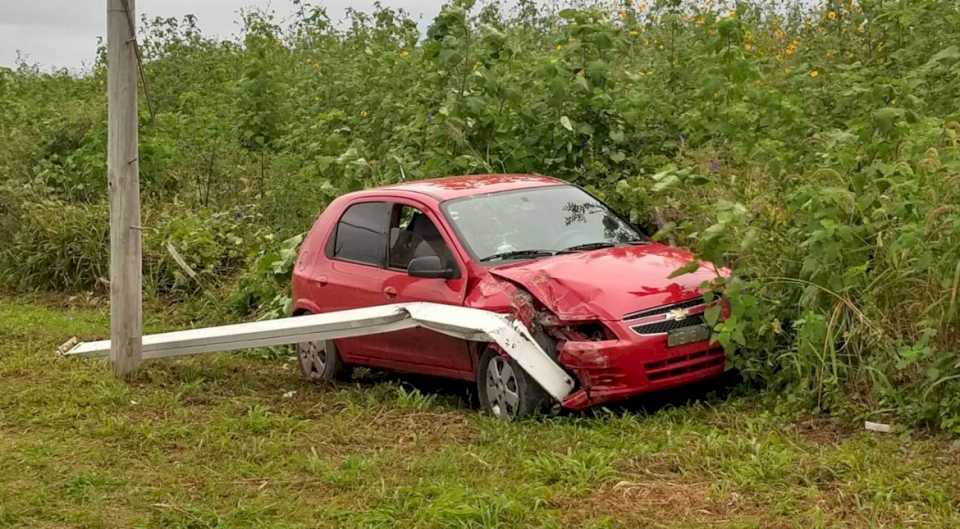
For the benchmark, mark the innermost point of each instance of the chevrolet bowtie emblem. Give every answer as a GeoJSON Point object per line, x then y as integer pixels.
{"type": "Point", "coordinates": [678, 314]}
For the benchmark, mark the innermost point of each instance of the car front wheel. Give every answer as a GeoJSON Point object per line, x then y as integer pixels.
{"type": "Point", "coordinates": [505, 389]}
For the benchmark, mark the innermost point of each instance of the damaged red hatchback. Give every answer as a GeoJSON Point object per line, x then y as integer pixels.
{"type": "Point", "coordinates": [592, 289]}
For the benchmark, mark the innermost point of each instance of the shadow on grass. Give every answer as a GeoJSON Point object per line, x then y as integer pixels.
{"type": "Point", "coordinates": [459, 392]}
{"type": "Point", "coordinates": [711, 390]}
{"type": "Point", "coordinates": [464, 393]}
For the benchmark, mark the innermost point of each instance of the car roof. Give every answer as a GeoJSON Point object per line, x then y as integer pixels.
{"type": "Point", "coordinates": [462, 186]}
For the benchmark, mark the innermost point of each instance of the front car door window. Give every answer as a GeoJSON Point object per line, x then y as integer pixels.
{"type": "Point", "coordinates": [414, 235]}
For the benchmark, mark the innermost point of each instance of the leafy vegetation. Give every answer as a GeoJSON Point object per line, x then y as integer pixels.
{"type": "Point", "coordinates": [233, 441]}
{"type": "Point", "coordinates": [813, 150]}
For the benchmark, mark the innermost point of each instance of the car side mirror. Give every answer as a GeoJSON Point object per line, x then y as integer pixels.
{"type": "Point", "coordinates": [432, 267]}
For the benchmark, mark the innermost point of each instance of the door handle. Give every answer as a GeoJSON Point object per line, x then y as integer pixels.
{"type": "Point", "coordinates": [320, 280]}
{"type": "Point", "coordinates": [390, 292]}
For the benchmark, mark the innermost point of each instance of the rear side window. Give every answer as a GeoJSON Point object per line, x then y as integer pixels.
{"type": "Point", "coordinates": [362, 233]}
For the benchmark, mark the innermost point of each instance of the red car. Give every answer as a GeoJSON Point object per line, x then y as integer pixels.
{"type": "Point", "coordinates": [591, 288]}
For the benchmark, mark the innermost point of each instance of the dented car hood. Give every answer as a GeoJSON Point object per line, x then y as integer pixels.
{"type": "Point", "coordinates": [609, 283]}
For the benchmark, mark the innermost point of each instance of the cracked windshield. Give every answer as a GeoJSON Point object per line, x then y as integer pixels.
{"type": "Point", "coordinates": [536, 223]}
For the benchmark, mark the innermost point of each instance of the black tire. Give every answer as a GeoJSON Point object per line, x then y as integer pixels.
{"type": "Point", "coordinates": [505, 390]}
{"type": "Point", "coordinates": [321, 363]}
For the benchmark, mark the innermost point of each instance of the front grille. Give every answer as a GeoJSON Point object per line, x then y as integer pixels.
{"type": "Point", "coordinates": [684, 364]}
{"type": "Point", "coordinates": [663, 309]}
{"type": "Point", "coordinates": [668, 325]}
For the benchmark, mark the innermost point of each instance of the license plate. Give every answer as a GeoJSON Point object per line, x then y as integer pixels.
{"type": "Point", "coordinates": [685, 335]}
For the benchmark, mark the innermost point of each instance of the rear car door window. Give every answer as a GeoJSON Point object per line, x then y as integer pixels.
{"type": "Point", "coordinates": [362, 233]}
{"type": "Point", "coordinates": [413, 235]}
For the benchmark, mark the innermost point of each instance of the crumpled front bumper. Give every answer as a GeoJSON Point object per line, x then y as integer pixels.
{"type": "Point", "coordinates": [634, 364]}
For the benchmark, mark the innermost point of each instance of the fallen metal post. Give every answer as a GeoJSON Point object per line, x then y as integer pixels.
{"type": "Point", "coordinates": [460, 322]}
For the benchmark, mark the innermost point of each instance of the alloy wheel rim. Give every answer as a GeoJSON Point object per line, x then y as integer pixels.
{"type": "Point", "coordinates": [503, 391]}
{"type": "Point", "coordinates": [313, 356]}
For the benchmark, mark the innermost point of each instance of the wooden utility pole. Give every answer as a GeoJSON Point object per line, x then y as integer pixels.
{"type": "Point", "coordinates": [123, 175]}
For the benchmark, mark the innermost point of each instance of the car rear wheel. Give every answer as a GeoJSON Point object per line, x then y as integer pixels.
{"type": "Point", "coordinates": [505, 389]}
{"type": "Point", "coordinates": [320, 362]}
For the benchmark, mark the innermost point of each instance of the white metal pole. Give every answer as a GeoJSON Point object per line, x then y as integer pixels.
{"type": "Point", "coordinates": [123, 175]}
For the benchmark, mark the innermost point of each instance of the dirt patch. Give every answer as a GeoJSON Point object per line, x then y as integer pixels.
{"type": "Point", "coordinates": [661, 501]}
{"type": "Point", "coordinates": [820, 430]}
{"type": "Point", "coordinates": [399, 430]}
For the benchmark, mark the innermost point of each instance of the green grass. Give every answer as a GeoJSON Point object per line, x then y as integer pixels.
{"type": "Point", "coordinates": [214, 442]}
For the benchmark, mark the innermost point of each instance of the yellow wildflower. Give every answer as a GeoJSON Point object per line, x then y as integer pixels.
{"type": "Point", "coordinates": [814, 74]}
{"type": "Point", "coordinates": [832, 15]}
{"type": "Point", "coordinates": [776, 327]}
{"type": "Point", "coordinates": [363, 113]}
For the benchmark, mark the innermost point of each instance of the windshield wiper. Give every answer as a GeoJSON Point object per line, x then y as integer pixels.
{"type": "Point", "coordinates": [598, 245]}
{"type": "Point", "coordinates": [587, 246]}
{"type": "Point", "coordinates": [517, 254]}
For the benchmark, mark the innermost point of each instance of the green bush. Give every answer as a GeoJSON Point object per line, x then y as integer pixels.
{"type": "Point", "coordinates": [264, 287]}
{"type": "Point", "coordinates": [192, 252]}
{"type": "Point", "coordinates": [59, 246]}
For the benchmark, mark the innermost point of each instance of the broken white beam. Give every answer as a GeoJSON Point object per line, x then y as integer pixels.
{"type": "Point", "coordinates": [877, 427]}
{"type": "Point", "coordinates": [460, 322]}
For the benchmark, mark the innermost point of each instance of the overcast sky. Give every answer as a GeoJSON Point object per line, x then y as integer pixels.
{"type": "Point", "coordinates": [63, 33]}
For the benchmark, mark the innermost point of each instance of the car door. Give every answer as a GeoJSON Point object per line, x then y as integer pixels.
{"type": "Point", "coordinates": [356, 272]}
{"type": "Point", "coordinates": [415, 232]}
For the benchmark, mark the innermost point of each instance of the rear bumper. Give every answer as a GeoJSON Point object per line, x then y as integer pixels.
{"type": "Point", "coordinates": [614, 370]}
